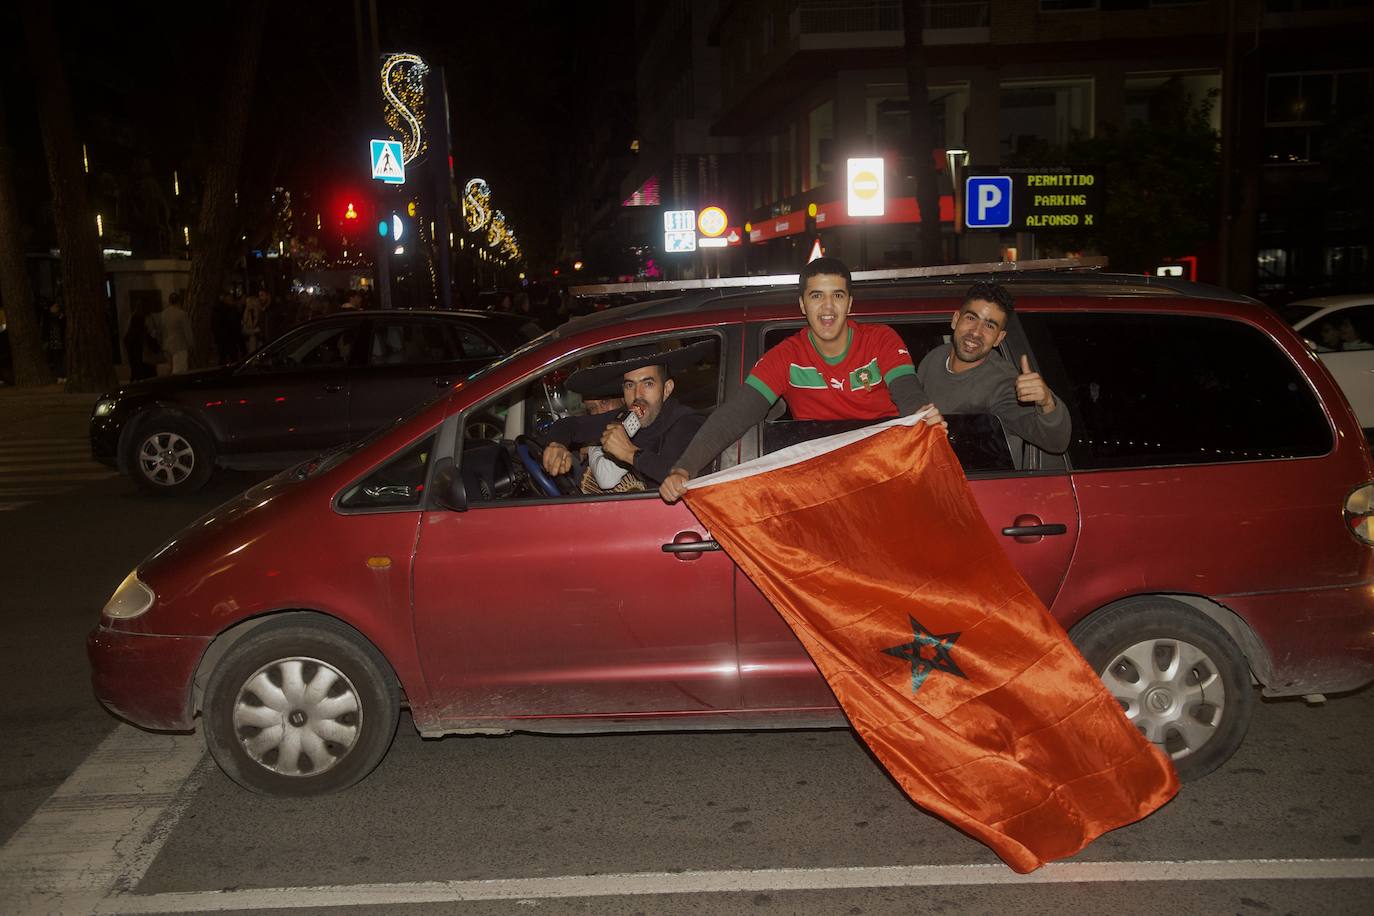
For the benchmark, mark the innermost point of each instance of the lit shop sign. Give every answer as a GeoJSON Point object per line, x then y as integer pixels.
{"type": "Point", "coordinates": [864, 196]}
{"type": "Point", "coordinates": [712, 222]}
{"type": "Point", "coordinates": [679, 231]}
{"type": "Point", "coordinates": [787, 224]}
{"type": "Point", "coordinates": [1054, 200]}
{"type": "Point", "coordinates": [899, 210]}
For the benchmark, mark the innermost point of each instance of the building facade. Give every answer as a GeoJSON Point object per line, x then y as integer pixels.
{"type": "Point", "coordinates": [756, 106]}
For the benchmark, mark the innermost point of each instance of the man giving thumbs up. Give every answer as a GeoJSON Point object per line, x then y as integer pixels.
{"type": "Point", "coordinates": [972, 377]}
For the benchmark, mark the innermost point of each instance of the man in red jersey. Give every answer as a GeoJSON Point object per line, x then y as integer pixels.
{"type": "Point", "coordinates": [833, 369]}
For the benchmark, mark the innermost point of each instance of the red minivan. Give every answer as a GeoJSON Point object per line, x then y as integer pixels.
{"type": "Point", "coordinates": [1207, 532]}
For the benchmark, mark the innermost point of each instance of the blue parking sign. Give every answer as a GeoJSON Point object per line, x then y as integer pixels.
{"type": "Point", "coordinates": [987, 202]}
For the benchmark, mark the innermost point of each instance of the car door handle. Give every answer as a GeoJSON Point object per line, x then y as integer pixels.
{"type": "Point", "coordinates": [1023, 531]}
{"type": "Point", "coordinates": [688, 545]}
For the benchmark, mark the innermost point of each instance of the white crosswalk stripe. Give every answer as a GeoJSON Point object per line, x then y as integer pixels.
{"type": "Point", "coordinates": [32, 469]}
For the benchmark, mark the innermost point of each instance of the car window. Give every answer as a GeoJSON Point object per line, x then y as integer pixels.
{"type": "Point", "coordinates": [411, 342]}
{"type": "Point", "coordinates": [313, 346]}
{"type": "Point", "coordinates": [529, 410]}
{"type": "Point", "coordinates": [1347, 329]}
{"type": "Point", "coordinates": [1152, 390]}
{"type": "Point", "coordinates": [399, 483]}
{"type": "Point", "coordinates": [1295, 312]}
{"type": "Point", "coordinates": [979, 441]}
{"type": "Point", "coordinates": [474, 345]}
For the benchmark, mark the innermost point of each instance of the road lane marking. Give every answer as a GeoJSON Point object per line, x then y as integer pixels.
{"type": "Point", "coordinates": [729, 882]}
{"type": "Point", "coordinates": [101, 829]}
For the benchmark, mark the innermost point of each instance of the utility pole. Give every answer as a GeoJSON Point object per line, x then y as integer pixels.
{"type": "Point", "coordinates": [370, 104]}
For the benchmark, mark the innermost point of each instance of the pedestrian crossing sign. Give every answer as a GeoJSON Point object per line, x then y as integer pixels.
{"type": "Point", "coordinates": [387, 165]}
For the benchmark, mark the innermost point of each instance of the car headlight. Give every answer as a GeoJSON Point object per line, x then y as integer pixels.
{"type": "Point", "coordinates": [130, 599]}
{"type": "Point", "coordinates": [104, 407]}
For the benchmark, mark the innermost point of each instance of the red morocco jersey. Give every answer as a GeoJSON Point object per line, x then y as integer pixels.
{"type": "Point", "coordinates": [852, 386]}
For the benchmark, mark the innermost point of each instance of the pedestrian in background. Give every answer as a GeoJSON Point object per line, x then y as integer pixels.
{"type": "Point", "coordinates": [275, 319]}
{"type": "Point", "coordinates": [177, 338]}
{"type": "Point", "coordinates": [251, 325]}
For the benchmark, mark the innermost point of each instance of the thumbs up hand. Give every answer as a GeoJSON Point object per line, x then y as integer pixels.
{"type": "Point", "coordinates": [1031, 388]}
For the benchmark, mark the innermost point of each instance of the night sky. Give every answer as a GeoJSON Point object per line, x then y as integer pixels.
{"type": "Point", "coordinates": [145, 80]}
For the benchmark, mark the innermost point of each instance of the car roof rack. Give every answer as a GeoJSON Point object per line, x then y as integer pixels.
{"type": "Point", "coordinates": [858, 276]}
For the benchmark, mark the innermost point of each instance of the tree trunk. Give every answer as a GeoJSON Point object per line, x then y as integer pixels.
{"type": "Point", "coordinates": [928, 247]}
{"type": "Point", "coordinates": [214, 233]}
{"type": "Point", "coordinates": [26, 339]}
{"type": "Point", "coordinates": [90, 366]}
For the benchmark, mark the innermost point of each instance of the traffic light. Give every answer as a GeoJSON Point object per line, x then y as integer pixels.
{"type": "Point", "coordinates": [350, 213]}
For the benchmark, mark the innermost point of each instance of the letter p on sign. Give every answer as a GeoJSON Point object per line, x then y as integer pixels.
{"type": "Point", "coordinates": [987, 202]}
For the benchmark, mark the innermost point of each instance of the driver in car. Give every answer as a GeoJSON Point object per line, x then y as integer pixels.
{"type": "Point", "coordinates": [664, 425]}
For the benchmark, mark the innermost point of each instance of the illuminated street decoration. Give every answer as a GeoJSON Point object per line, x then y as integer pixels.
{"type": "Point", "coordinates": [403, 102]}
{"type": "Point", "coordinates": [476, 204]}
{"type": "Point", "coordinates": [496, 228]}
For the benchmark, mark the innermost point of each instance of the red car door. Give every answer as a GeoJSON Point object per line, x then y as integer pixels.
{"type": "Point", "coordinates": [572, 608]}
{"type": "Point", "coordinates": [535, 606]}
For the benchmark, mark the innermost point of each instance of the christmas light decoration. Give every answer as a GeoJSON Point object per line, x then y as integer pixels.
{"type": "Point", "coordinates": [403, 96]}
{"type": "Point", "coordinates": [476, 204]}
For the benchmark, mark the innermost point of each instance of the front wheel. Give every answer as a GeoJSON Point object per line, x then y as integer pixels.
{"type": "Point", "coordinates": [1178, 676]}
{"type": "Point", "coordinates": [169, 455]}
{"type": "Point", "coordinates": [300, 709]}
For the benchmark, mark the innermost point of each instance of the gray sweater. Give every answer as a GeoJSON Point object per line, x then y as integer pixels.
{"type": "Point", "coordinates": [990, 387]}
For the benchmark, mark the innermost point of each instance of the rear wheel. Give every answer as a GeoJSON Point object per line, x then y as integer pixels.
{"type": "Point", "coordinates": [300, 709]}
{"type": "Point", "coordinates": [1178, 676]}
{"type": "Point", "coordinates": [169, 455]}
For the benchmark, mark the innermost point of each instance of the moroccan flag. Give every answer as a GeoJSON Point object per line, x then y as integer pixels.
{"type": "Point", "coordinates": [951, 669]}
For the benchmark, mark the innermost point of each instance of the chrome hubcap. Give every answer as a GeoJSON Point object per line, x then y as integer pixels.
{"type": "Point", "coordinates": [298, 716]}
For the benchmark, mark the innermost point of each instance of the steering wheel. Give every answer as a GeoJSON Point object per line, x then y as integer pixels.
{"type": "Point", "coordinates": [531, 452]}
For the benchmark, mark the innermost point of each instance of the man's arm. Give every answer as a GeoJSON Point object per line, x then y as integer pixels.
{"type": "Point", "coordinates": [1028, 408]}
{"type": "Point", "coordinates": [654, 466]}
{"type": "Point", "coordinates": [560, 434]}
{"type": "Point", "coordinates": [908, 394]}
{"type": "Point", "coordinates": [745, 408]}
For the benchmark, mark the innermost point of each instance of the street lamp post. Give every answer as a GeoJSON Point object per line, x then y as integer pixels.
{"type": "Point", "coordinates": [957, 161]}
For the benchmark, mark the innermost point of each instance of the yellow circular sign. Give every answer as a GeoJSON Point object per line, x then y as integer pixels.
{"type": "Point", "coordinates": [711, 221]}
{"type": "Point", "coordinates": [866, 185]}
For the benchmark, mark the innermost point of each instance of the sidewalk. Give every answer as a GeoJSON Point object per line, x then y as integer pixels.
{"type": "Point", "coordinates": [43, 412]}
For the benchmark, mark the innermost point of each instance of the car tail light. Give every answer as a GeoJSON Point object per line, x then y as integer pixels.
{"type": "Point", "coordinates": [1359, 513]}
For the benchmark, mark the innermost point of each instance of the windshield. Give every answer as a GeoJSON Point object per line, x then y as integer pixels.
{"type": "Point", "coordinates": [312, 467]}
{"type": "Point", "coordinates": [512, 355]}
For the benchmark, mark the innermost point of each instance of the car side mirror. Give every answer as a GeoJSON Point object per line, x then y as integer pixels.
{"type": "Point", "coordinates": [448, 489]}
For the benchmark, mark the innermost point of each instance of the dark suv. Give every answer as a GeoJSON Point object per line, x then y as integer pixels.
{"type": "Point", "coordinates": [323, 383]}
{"type": "Point", "coordinates": [1208, 531]}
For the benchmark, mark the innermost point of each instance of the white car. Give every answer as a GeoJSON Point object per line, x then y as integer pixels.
{"type": "Point", "coordinates": [1340, 330]}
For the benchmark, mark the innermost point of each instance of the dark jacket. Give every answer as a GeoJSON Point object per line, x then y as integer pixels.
{"type": "Point", "coordinates": [661, 442]}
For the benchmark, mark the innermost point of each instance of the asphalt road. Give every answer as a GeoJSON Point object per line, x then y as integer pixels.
{"type": "Point", "coordinates": [98, 817]}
